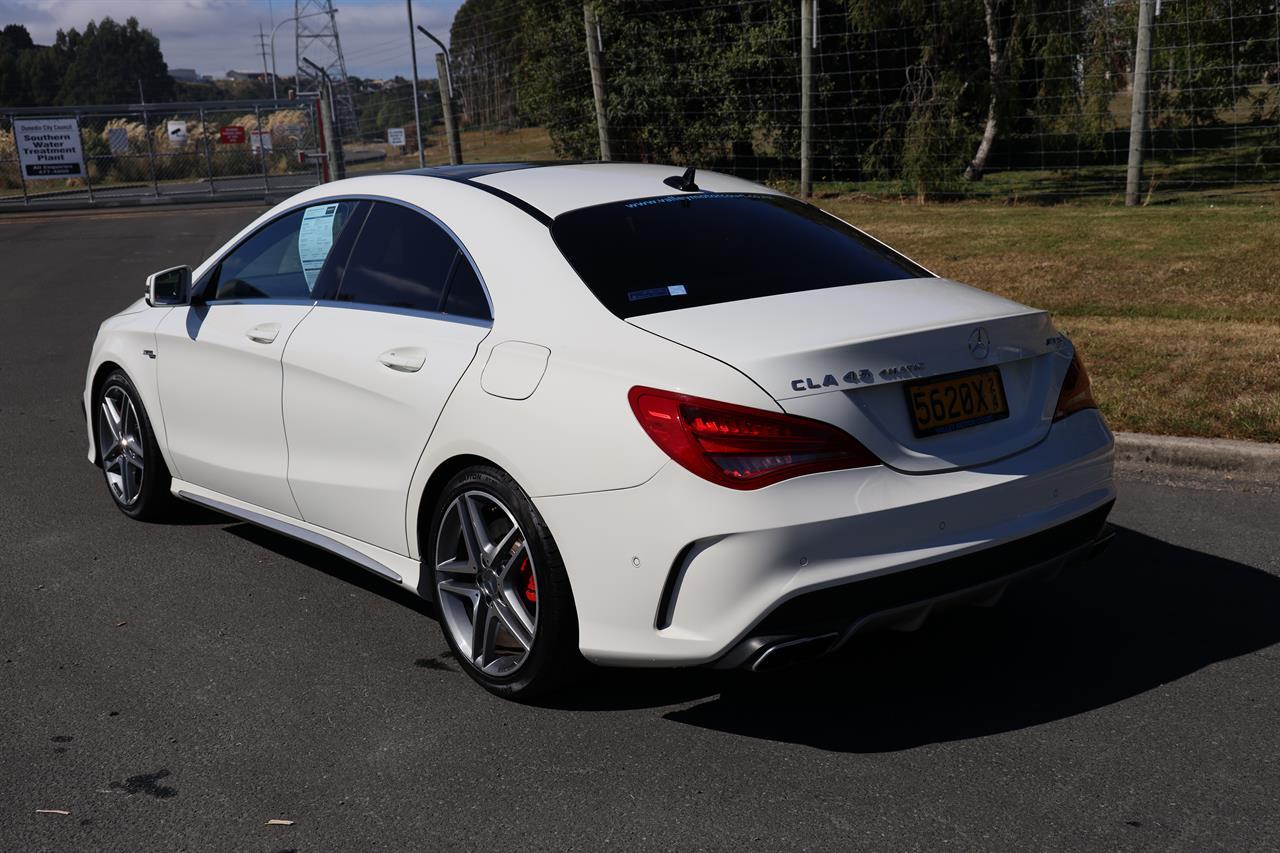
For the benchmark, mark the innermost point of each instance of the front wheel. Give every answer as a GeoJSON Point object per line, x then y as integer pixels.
{"type": "Point", "coordinates": [505, 606]}
{"type": "Point", "coordinates": [136, 475]}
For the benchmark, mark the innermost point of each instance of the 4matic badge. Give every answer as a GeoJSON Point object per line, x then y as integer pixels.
{"type": "Point", "coordinates": [862, 376]}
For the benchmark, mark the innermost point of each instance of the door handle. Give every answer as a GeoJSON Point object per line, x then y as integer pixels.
{"type": "Point", "coordinates": [404, 359]}
{"type": "Point", "coordinates": [263, 333]}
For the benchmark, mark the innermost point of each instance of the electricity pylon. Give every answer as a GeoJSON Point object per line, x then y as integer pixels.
{"type": "Point", "coordinates": [317, 40]}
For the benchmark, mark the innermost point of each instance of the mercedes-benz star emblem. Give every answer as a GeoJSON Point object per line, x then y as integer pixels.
{"type": "Point", "coordinates": [979, 342]}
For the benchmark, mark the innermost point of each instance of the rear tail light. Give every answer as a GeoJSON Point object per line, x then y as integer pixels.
{"type": "Point", "coordinates": [739, 447]}
{"type": "Point", "coordinates": [1077, 394]}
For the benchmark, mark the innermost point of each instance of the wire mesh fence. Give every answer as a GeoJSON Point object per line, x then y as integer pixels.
{"type": "Point", "coordinates": [159, 150]}
{"type": "Point", "coordinates": [932, 99]}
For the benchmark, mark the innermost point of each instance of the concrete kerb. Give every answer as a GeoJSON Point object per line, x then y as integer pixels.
{"type": "Point", "coordinates": [1253, 459]}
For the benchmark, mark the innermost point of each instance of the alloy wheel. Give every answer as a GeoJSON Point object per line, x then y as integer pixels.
{"type": "Point", "coordinates": [120, 444]}
{"type": "Point", "coordinates": [486, 583]}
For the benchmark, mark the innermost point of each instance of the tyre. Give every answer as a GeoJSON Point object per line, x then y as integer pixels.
{"type": "Point", "coordinates": [137, 478]}
{"type": "Point", "coordinates": [503, 597]}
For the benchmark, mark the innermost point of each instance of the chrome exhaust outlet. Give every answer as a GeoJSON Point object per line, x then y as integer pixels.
{"type": "Point", "coordinates": [789, 652]}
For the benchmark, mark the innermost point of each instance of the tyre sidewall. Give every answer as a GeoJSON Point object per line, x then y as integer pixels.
{"type": "Point", "coordinates": [554, 656]}
{"type": "Point", "coordinates": [154, 497]}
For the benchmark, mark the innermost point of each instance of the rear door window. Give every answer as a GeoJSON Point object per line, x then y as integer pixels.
{"type": "Point", "coordinates": [401, 259]}
{"type": "Point", "coordinates": [466, 297]}
{"type": "Point", "coordinates": [680, 251]}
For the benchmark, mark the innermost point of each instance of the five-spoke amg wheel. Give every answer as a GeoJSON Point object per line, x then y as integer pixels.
{"type": "Point", "coordinates": [503, 597]}
{"type": "Point", "coordinates": [136, 474]}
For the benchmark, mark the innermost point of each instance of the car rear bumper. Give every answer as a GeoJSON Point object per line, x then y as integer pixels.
{"type": "Point", "coordinates": [680, 572]}
{"type": "Point", "coordinates": [821, 622]}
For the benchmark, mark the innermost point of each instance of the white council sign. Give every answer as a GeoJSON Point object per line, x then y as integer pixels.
{"type": "Point", "coordinates": [395, 136]}
{"type": "Point", "coordinates": [49, 148]}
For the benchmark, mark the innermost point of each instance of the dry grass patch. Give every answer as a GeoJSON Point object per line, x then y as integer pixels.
{"type": "Point", "coordinates": [1199, 262]}
{"type": "Point", "coordinates": [1183, 377]}
{"type": "Point", "coordinates": [1176, 310]}
{"type": "Point", "coordinates": [478, 146]}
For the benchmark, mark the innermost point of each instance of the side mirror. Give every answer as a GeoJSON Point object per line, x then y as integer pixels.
{"type": "Point", "coordinates": [168, 287]}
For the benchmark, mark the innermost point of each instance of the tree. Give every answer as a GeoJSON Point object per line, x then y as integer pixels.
{"type": "Point", "coordinates": [102, 65]}
{"type": "Point", "coordinates": [109, 60]}
{"type": "Point", "coordinates": [486, 45]}
{"type": "Point", "coordinates": [997, 58]}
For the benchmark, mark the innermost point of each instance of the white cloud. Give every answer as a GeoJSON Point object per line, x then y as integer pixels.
{"type": "Point", "coordinates": [213, 36]}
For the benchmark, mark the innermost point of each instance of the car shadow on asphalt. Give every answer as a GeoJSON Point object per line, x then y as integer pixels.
{"type": "Point", "coordinates": [329, 564]}
{"type": "Point", "coordinates": [1143, 614]}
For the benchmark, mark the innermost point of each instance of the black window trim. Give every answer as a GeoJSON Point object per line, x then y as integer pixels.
{"type": "Point", "coordinates": [215, 262]}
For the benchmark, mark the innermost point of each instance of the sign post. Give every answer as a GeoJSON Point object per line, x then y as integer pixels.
{"type": "Point", "coordinates": [395, 136]}
{"type": "Point", "coordinates": [49, 148]}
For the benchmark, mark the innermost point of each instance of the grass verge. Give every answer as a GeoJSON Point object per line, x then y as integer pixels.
{"type": "Point", "coordinates": [1176, 309]}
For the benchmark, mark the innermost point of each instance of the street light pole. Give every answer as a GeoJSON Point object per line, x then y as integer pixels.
{"type": "Point", "coordinates": [274, 94]}
{"type": "Point", "coordinates": [413, 53]}
{"type": "Point", "coordinates": [444, 82]}
{"type": "Point", "coordinates": [448, 73]}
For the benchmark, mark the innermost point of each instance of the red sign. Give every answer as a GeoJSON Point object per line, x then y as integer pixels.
{"type": "Point", "coordinates": [232, 134]}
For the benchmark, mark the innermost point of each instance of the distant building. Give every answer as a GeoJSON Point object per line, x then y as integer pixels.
{"type": "Point", "coordinates": [185, 75]}
{"type": "Point", "coordinates": [247, 75]}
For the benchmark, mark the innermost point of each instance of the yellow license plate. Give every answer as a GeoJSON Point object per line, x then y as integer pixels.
{"type": "Point", "coordinates": [957, 401]}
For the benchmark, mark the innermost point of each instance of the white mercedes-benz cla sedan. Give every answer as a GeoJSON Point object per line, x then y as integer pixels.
{"type": "Point", "coordinates": [608, 412]}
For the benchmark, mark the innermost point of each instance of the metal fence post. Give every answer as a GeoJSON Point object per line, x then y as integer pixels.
{"type": "Point", "coordinates": [208, 159]}
{"type": "Point", "coordinates": [1138, 114]}
{"type": "Point", "coordinates": [592, 26]}
{"type": "Point", "coordinates": [262, 149]}
{"type": "Point", "coordinates": [151, 156]}
{"type": "Point", "coordinates": [88, 180]}
{"type": "Point", "coordinates": [26, 200]}
{"type": "Point", "coordinates": [446, 101]}
{"type": "Point", "coordinates": [806, 90]}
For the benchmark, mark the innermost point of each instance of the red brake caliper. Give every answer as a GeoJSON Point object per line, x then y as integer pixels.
{"type": "Point", "coordinates": [525, 573]}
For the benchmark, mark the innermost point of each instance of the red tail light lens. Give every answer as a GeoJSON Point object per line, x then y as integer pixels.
{"type": "Point", "coordinates": [739, 447]}
{"type": "Point", "coordinates": [1077, 393]}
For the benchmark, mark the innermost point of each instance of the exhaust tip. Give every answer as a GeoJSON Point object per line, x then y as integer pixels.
{"type": "Point", "coordinates": [790, 652]}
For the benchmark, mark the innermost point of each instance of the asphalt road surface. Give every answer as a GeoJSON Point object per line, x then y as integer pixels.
{"type": "Point", "coordinates": [175, 687]}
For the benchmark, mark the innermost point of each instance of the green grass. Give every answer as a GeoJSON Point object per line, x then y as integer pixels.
{"type": "Point", "coordinates": [1176, 309]}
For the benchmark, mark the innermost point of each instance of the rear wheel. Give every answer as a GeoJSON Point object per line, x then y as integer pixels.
{"type": "Point", "coordinates": [136, 475]}
{"type": "Point", "coordinates": [504, 600]}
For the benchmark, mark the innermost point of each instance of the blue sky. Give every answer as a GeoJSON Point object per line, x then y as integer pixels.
{"type": "Point", "coordinates": [213, 36]}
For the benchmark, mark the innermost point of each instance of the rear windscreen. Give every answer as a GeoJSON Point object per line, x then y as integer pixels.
{"type": "Point", "coordinates": [680, 251]}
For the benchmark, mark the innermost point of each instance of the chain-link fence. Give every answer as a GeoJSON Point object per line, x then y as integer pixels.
{"type": "Point", "coordinates": [241, 148]}
{"type": "Point", "coordinates": [1021, 99]}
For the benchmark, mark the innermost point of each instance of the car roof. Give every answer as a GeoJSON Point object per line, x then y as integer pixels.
{"type": "Point", "coordinates": [546, 189]}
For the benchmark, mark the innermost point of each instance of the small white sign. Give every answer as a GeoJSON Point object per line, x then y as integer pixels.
{"type": "Point", "coordinates": [118, 140]}
{"type": "Point", "coordinates": [395, 136]}
{"type": "Point", "coordinates": [260, 140]}
{"type": "Point", "coordinates": [49, 148]}
{"type": "Point", "coordinates": [177, 134]}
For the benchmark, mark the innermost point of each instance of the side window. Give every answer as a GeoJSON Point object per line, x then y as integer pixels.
{"type": "Point", "coordinates": [466, 295]}
{"type": "Point", "coordinates": [401, 260]}
{"type": "Point", "coordinates": [284, 259]}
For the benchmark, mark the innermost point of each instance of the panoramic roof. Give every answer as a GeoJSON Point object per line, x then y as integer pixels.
{"type": "Point", "coordinates": [554, 187]}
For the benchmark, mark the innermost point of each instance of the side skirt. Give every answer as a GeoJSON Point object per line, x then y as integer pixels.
{"type": "Point", "coordinates": [396, 568]}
